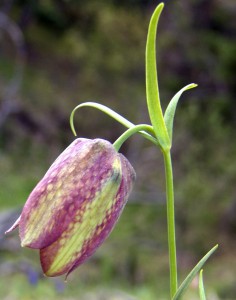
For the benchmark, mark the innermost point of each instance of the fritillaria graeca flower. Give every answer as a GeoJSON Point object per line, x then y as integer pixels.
{"type": "Point", "coordinates": [75, 206]}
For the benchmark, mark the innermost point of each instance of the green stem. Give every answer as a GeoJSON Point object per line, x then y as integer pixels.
{"type": "Point", "coordinates": [141, 128]}
{"type": "Point", "coordinates": [171, 223]}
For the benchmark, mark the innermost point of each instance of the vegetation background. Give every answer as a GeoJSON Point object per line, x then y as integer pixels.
{"type": "Point", "coordinates": [55, 54]}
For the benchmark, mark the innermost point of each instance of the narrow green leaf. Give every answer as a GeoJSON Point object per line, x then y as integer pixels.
{"type": "Point", "coordinates": [152, 90]}
{"type": "Point", "coordinates": [150, 136]}
{"type": "Point", "coordinates": [201, 286]}
{"type": "Point", "coordinates": [192, 274]}
{"type": "Point", "coordinates": [102, 108]}
{"type": "Point", "coordinates": [170, 110]}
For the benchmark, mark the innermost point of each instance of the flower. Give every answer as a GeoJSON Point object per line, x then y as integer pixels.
{"type": "Point", "coordinates": [76, 204]}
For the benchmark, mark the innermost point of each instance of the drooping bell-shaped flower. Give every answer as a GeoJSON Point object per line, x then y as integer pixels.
{"type": "Point", "coordinates": [76, 204]}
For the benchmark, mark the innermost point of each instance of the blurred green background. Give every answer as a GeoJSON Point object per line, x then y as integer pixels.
{"type": "Point", "coordinates": [55, 54]}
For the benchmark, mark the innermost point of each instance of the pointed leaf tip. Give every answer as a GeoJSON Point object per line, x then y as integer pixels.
{"type": "Point", "coordinates": [185, 284]}
{"type": "Point", "coordinates": [201, 286]}
{"type": "Point", "coordinates": [171, 108]}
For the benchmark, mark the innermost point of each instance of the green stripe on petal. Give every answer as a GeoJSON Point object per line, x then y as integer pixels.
{"type": "Point", "coordinates": [75, 176]}
{"type": "Point", "coordinates": [59, 257]}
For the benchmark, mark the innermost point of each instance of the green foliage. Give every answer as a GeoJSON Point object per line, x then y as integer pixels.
{"type": "Point", "coordinates": [201, 287]}
{"type": "Point", "coordinates": [183, 287]}
{"type": "Point", "coordinates": [152, 89]}
{"type": "Point", "coordinates": [171, 108]}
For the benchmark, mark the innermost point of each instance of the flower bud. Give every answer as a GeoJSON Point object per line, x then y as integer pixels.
{"type": "Point", "coordinates": [76, 204]}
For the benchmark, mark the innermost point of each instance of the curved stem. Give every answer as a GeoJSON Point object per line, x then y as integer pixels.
{"type": "Point", "coordinates": [142, 128]}
{"type": "Point", "coordinates": [171, 223]}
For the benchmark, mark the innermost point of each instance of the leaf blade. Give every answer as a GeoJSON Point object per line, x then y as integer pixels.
{"type": "Point", "coordinates": [201, 286]}
{"type": "Point", "coordinates": [152, 90]}
{"type": "Point", "coordinates": [192, 274]}
{"type": "Point", "coordinates": [113, 115]}
{"type": "Point", "coordinates": [171, 108]}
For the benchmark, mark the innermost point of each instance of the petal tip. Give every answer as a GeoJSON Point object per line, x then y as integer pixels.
{"type": "Point", "coordinates": [26, 242]}
{"type": "Point", "coordinates": [14, 226]}
{"type": "Point", "coordinates": [23, 244]}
